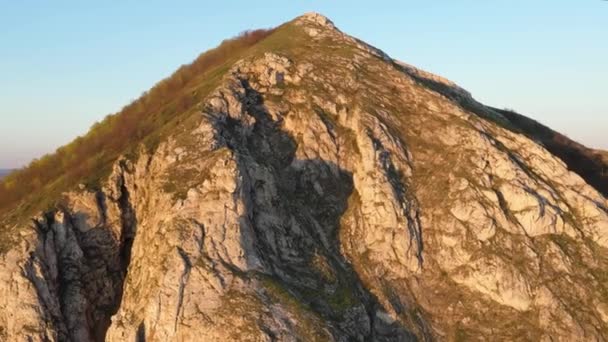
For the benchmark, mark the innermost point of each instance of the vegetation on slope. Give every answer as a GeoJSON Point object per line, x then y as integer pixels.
{"type": "Point", "coordinates": [591, 165]}
{"type": "Point", "coordinates": [88, 159]}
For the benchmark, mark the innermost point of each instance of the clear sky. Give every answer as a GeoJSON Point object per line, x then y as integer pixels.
{"type": "Point", "coordinates": [65, 65]}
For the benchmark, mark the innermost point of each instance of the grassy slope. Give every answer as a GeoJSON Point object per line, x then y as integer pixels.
{"type": "Point", "coordinates": [88, 159]}
{"type": "Point", "coordinates": [165, 110]}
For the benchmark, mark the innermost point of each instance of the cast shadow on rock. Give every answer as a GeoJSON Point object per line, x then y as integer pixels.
{"type": "Point", "coordinates": [294, 208]}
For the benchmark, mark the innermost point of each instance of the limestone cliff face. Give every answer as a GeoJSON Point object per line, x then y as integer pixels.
{"type": "Point", "coordinates": [321, 193]}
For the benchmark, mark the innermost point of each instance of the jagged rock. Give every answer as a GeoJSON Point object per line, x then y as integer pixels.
{"type": "Point", "coordinates": [334, 194]}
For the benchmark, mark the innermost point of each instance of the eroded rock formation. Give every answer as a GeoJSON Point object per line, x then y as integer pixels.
{"type": "Point", "coordinates": [328, 193]}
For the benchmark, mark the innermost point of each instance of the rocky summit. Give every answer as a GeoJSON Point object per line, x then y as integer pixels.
{"type": "Point", "coordinates": [321, 191]}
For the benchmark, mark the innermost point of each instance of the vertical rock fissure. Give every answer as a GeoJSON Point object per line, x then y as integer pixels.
{"type": "Point", "coordinates": [83, 267]}
{"type": "Point", "coordinates": [43, 272]}
{"type": "Point", "coordinates": [183, 281]}
{"type": "Point", "coordinates": [128, 229]}
{"type": "Point", "coordinates": [408, 206]}
{"type": "Point", "coordinates": [128, 224]}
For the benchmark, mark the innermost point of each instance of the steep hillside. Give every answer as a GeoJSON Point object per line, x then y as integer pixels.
{"type": "Point", "coordinates": [315, 190]}
{"type": "Point", "coordinates": [590, 164]}
{"type": "Point", "coordinates": [147, 120]}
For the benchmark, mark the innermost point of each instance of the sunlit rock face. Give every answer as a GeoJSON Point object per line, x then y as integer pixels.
{"type": "Point", "coordinates": [321, 192]}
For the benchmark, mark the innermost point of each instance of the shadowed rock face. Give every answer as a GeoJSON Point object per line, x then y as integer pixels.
{"type": "Point", "coordinates": [321, 192]}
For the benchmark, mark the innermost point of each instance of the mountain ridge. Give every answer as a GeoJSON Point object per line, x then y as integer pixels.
{"type": "Point", "coordinates": [88, 158]}
{"type": "Point", "coordinates": [319, 191]}
{"type": "Point", "coordinates": [594, 160]}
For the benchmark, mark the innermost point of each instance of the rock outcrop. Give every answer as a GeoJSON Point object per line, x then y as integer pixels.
{"type": "Point", "coordinates": [322, 192]}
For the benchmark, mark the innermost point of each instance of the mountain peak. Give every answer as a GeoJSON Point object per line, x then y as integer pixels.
{"type": "Point", "coordinates": [299, 184]}
{"type": "Point", "coordinates": [316, 18]}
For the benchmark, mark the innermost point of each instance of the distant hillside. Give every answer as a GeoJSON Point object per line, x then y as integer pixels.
{"type": "Point", "coordinates": [4, 172]}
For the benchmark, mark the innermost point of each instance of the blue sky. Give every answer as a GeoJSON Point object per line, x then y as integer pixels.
{"type": "Point", "coordinates": [65, 65]}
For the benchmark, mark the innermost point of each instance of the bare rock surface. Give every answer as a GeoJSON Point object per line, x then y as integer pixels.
{"type": "Point", "coordinates": [326, 193]}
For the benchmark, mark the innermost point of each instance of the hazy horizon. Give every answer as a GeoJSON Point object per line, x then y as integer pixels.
{"type": "Point", "coordinates": [68, 65]}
